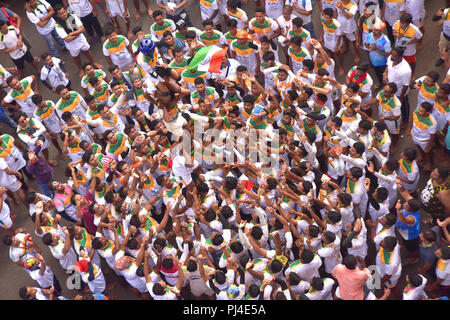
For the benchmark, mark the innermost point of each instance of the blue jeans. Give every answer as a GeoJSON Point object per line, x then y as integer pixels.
{"type": "Point", "coordinates": [5, 118]}
{"type": "Point", "coordinates": [45, 190]}
{"type": "Point", "coordinates": [51, 45]}
{"type": "Point", "coordinates": [310, 28]}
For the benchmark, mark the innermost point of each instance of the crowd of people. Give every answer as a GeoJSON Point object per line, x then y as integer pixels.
{"type": "Point", "coordinates": [176, 212]}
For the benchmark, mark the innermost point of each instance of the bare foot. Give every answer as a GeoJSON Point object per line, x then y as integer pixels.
{"type": "Point", "coordinates": [150, 12]}
{"type": "Point", "coordinates": [130, 35]}
{"type": "Point", "coordinates": [81, 73]}
{"type": "Point", "coordinates": [61, 156]}
{"type": "Point", "coordinates": [341, 71]}
{"type": "Point", "coordinates": [137, 16]}
{"type": "Point", "coordinates": [357, 59]}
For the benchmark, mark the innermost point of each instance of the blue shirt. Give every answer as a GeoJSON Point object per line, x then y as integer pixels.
{"type": "Point", "coordinates": [409, 232]}
{"type": "Point", "coordinates": [382, 44]}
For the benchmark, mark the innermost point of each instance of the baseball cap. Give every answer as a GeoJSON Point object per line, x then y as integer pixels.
{"type": "Point", "coordinates": [181, 24]}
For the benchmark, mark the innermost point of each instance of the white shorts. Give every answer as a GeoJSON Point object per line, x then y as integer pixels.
{"type": "Point", "coordinates": [6, 222]}
{"type": "Point", "coordinates": [422, 144]}
{"type": "Point", "coordinates": [83, 46]}
{"type": "Point", "coordinates": [13, 187]}
{"type": "Point", "coordinates": [393, 126]}
{"type": "Point", "coordinates": [115, 10]}
{"type": "Point", "coordinates": [349, 35]}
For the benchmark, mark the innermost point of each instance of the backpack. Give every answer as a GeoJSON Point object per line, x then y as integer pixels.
{"type": "Point", "coordinates": [10, 20]}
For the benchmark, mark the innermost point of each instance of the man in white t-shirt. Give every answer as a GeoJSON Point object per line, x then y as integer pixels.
{"type": "Point", "coordinates": [399, 71]}
{"type": "Point", "coordinates": [41, 14]}
{"type": "Point", "coordinates": [11, 42]}
{"type": "Point", "coordinates": [86, 10]}
{"type": "Point", "coordinates": [70, 29]}
{"type": "Point", "coordinates": [61, 248]}
{"type": "Point", "coordinates": [53, 73]}
{"type": "Point", "coordinates": [303, 9]}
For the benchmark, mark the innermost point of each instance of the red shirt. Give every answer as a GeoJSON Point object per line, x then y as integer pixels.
{"type": "Point", "coordinates": [351, 282]}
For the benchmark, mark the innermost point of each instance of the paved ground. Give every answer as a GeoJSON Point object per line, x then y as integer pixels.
{"type": "Point", "coordinates": [13, 277]}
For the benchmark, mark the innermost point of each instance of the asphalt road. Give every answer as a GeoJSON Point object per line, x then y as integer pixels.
{"type": "Point", "coordinates": [13, 277]}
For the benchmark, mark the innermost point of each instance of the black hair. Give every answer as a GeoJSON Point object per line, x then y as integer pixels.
{"type": "Point", "coordinates": [47, 239]}
{"type": "Point", "coordinates": [323, 72]}
{"type": "Point", "coordinates": [382, 193]}
{"type": "Point", "coordinates": [391, 164]}
{"type": "Point", "coordinates": [334, 216]}
{"type": "Point", "coordinates": [307, 256]}
{"type": "Point", "coordinates": [253, 290]}
{"type": "Point", "coordinates": [313, 230]}
{"type": "Point", "coordinates": [256, 232]}
{"type": "Point", "coordinates": [393, 86]}
{"type": "Point", "coordinates": [317, 283]}
{"type": "Point", "coordinates": [294, 279]}
{"type": "Point", "coordinates": [328, 12]}
{"type": "Point", "coordinates": [415, 279]}
{"type": "Point", "coordinates": [391, 219]}
{"type": "Point", "coordinates": [345, 198]}
{"type": "Point", "coordinates": [427, 106]}
{"type": "Point", "coordinates": [96, 243]}
{"type": "Point", "coordinates": [349, 262]}
{"type": "Point", "coordinates": [230, 183]}
{"type": "Point", "coordinates": [236, 247]}
{"type": "Point", "coordinates": [220, 277]}
{"type": "Point", "coordinates": [210, 215]}
{"type": "Point", "coordinates": [410, 154]}
{"type": "Point", "coordinates": [380, 125]}
{"type": "Point", "coordinates": [297, 21]}
{"type": "Point", "coordinates": [330, 236]}
{"type": "Point", "coordinates": [167, 263]}
{"type": "Point", "coordinates": [365, 125]}
{"type": "Point", "coordinates": [7, 240]}
{"type": "Point", "coordinates": [217, 240]}
{"type": "Point", "coordinates": [192, 266]}
{"type": "Point", "coordinates": [309, 64]}
{"type": "Point", "coordinates": [390, 243]}
{"type": "Point", "coordinates": [356, 172]}
{"type": "Point", "coordinates": [359, 147]}
{"type": "Point", "coordinates": [23, 290]}
{"type": "Point", "coordinates": [30, 197]}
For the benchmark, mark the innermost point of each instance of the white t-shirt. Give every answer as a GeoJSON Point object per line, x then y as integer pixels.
{"type": "Point", "coordinates": [400, 74]}
{"type": "Point", "coordinates": [81, 8]}
{"type": "Point", "coordinates": [79, 41]}
{"type": "Point", "coordinates": [304, 5]}
{"type": "Point", "coordinates": [66, 260]}
{"type": "Point", "coordinates": [347, 25]}
{"type": "Point", "coordinates": [45, 280]}
{"type": "Point", "coordinates": [54, 75]}
{"type": "Point", "coordinates": [443, 271]}
{"type": "Point", "coordinates": [5, 179]}
{"type": "Point", "coordinates": [207, 9]}
{"type": "Point", "coordinates": [40, 12]}
{"type": "Point", "coordinates": [10, 40]}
